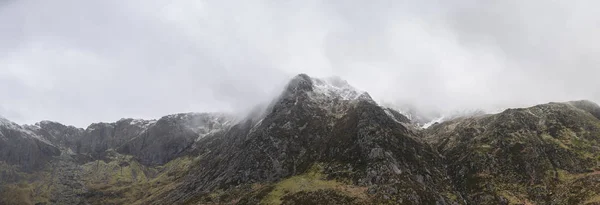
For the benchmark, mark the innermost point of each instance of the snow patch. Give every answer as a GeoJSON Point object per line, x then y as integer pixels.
{"type": "Point", "coordinates": [8, 124]}
{"type": "Point", "coordinates": [256, 125]}
{"type": "Point", "coordinates": [389, 113]}
{"type": "Point", "coordinates": [213, 123]}
{"type": "Point", "coordinates": [334, 95]}
{"type": "Point", "coordinates": [334, 87]}
{"type": "Point", "coordinates": [429, 124]}
{"type": "Point", "coordinates": [142, 123]}
{"type": "Point", "coordinates": [70, 152]}
{"type": "Point", "coordinates": [14, 126]}
{"type": "Point", "coordinates": [35, 136]}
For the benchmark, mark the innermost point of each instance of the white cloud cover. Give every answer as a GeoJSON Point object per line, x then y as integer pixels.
{"type": "Point", "coordinates": [80, 62]}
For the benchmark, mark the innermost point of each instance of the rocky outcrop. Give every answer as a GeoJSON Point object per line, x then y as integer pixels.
{"type": "Point", "coordinates": [100, 137]}
{"type": "Point", "coordinates": [68, 185]}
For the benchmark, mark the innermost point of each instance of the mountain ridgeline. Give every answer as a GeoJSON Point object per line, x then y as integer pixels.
{"type": "Point", "coordinates": [320, 142]}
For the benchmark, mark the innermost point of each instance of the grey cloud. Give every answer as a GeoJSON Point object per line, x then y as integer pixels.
{"type": "Point", "coordinates": [79, 62]}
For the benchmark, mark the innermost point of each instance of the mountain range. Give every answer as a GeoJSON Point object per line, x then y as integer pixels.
{"type": "Point", "coordinates": [321, 141]}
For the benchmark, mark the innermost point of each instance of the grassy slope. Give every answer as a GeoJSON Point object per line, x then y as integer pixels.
{"type": "Point", "coordinates": [120, 180]}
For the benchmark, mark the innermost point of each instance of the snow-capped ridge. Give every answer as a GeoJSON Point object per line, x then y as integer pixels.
{"type": "Point", "coordinates": [328, 88]}
{"type": "Point", "coordinates": [336, 87]}
{"type": "Point", "coordinates": [23, 129]}
{"type": "Point", "coordinates": [138, 122]}
{"type": "Point", "coordinates": [203, 124]}
{"type": "Point", "coordinates": [333, 95]}
{"type": "Point", "coordinates": [7, 123]}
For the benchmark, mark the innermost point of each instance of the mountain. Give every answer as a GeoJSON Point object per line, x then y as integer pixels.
{"type": "Point", "coordinates": [323, 127]}
{"type": "Point", "coordinates": [321, 141]}
{"type": "Point", "coordinates": [59, 158]}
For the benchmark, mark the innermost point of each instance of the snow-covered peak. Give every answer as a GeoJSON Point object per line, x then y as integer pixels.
{"type": "Point", "coordinates": [25, 130]}
{"type": "Point", "coordinates": [139, 122]}
{"type": "Point", "coordinates": [194, 116]}
{"type": "Point", "coordinates": [46, 122]}
{"type": "Point", "coordinates": [9, 124]}
{"type": "Point", "coordinates": [335, 87]}
{"type": "Point", "coordinates": [330, 89]}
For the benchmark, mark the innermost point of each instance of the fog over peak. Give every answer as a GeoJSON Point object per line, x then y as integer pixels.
{"type": "Point", "coordinates": [79, 62]}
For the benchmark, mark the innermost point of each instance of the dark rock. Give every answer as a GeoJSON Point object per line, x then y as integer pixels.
{"type": "Point", "coordinates": [21, 147]}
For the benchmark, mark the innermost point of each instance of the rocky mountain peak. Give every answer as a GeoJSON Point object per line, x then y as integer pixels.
{"type": "Point", "coordinates": [332, 95]}
{"type": "Point", "coordinates": [7, 123]}
{"type": "Point", "coordinates": [300, 82]}
{"type": "Point", "coordinates": [330, 88]}
{"type": "Point", "coordinates": [48, 123]}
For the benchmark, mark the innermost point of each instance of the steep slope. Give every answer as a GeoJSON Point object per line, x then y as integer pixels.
{"type": "Point", "coordinates": [542, 154]}
{"type": "Point", "coordinates": [59, 135]}
{"type": "Point", "coordinates": [99, 137]}
{"type": "Point", "coordinates": [324, 124]}
{"type": "Point", "coordinates": [23, 148]}
{"type": "Point", "coordinates": [171, 135]}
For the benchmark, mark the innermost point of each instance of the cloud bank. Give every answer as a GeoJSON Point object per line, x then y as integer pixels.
{"type": "Point", "coordinates": [80, 62]}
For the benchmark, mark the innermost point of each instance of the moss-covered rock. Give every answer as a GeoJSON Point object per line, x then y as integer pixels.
{"type": "Point", "coordinates": [523, 155]}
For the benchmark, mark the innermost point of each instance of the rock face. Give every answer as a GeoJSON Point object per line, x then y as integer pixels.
{"type": "Point", "coordinates": [320, 142]}
{"type": "Point", "coordinates": [153, 142]}
{"type": "Point", "coordinates": [168, 137]}
{"type": "Point", "coordinates": [20, 146]}
{"type": "Point", "coordinates": [531, 154]}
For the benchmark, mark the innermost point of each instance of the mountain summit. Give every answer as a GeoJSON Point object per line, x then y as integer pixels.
{"type": "Point", "coordinates": [321, 141]}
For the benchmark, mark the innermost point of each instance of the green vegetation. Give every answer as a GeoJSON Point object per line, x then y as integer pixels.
{"type": "Point", "coordinates": [120, 180]}
{"type": "Point", "coordinates": [30, 188]}
{"type": "Point", "coordinates": [313, 180]}
{"type": "Point", "coordinates": [124, 181]}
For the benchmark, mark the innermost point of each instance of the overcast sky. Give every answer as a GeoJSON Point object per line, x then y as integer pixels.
{"type": "Point", "coordinates": [79, 62]}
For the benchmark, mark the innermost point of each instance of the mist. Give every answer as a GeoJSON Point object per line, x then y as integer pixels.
{"type": "Point", "coordinates": [79, 62]}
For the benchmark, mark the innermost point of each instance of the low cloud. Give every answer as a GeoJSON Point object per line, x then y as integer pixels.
{"type": "Point", "coordinates": [80, 62]}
